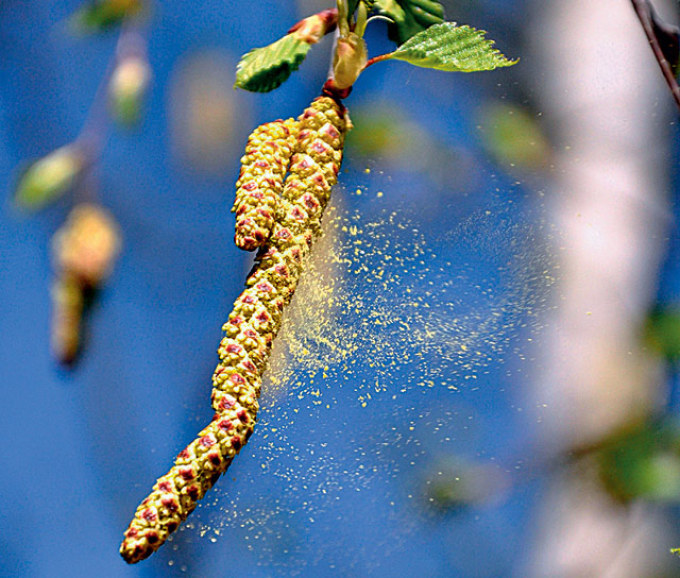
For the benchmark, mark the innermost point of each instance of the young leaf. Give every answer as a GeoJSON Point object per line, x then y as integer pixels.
{"type": "Point", "coordinates": [409, 16]}
{"type": "Point", "coordinates": [451, 48]}
{"type": "Point", "coordinates": [264, 69]}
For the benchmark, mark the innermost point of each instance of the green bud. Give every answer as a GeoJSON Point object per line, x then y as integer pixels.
{"type": "Point", "coordinates": [128, 84]}
{"type": "Point", "coordinates": [350, 59]}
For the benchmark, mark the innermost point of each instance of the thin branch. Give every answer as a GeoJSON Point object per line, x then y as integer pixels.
{"type": "Point", "coordinates": [643, 9]}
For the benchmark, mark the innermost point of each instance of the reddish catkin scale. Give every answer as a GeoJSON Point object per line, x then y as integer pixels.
{"type": "Point", "coordinates": [263, 168]}
{"type": "Point", "coordinates": [250, 330]}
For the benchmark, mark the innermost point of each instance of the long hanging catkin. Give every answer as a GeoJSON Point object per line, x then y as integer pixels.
{"type": "Point", "coordinates": [253, 323]}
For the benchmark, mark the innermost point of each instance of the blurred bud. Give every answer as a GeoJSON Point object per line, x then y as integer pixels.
{"type": "Point", "coordinates": [100, 15]}
{"type": "Point", "coordinates": [87, 245]}
{"type": "Point", "coordinates": [455, 484]}
{"type": "Point", "coordinates": [350, 58]}
{"type": "Point", "coordinates": [67, 312]}
{"type": "Point", "coordinates": [84, 250]}
{"type": "Point", "coordinates": [127, 87]}
{"type": "Point", "coordinates": [49, 177]}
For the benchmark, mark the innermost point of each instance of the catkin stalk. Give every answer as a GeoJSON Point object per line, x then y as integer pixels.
{"type": "Point", "coordinates": [252, 325]}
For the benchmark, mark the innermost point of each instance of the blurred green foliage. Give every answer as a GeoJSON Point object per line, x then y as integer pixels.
{"type": "Point", "coordinates": [513, 136]}
{"type": "Point", "coordinates": [48, 178]}
{"type": "Point", "coordinates": [662, 332]}
{"type": "Point", "coordinates": [642, 462]}
{"type": "Point", "coordinates": [100, 15]}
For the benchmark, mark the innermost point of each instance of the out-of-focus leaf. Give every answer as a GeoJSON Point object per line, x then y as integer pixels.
{"type": "Point", "coordinates": [513, 137]}
{"type": "Point", "coordinates": [453, 484]}
{"type": "Point", "coordinates": [264, 69]}
{"type": "Point", "coordinates": [662, 332]}
{"type": "Point", "coordinates": [99, 15]}
{"type": "Point", "coordinates": [642, 462]}
{"type": "Point", "coordinates": [48, 178]}
{"type": "Point", "coordinates": [451, 48]}
{"type": "Point", "coordinates": [409, 17]}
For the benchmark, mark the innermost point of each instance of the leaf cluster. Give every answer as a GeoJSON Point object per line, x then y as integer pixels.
{"type": "Point", "coordinates": [417, 27]}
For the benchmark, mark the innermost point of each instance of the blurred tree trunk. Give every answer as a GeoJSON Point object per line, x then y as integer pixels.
{"type": "Point", "coordinates": [607, 105]}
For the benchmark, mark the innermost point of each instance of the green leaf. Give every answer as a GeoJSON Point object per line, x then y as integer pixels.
{"type": "Point", "coordinates": [48, 178]}
{"type": "Point", "coordinates": [264, 69]}
{"type": "Point", "coordinates": [409, 16]}
{"type": "Point", "coordinates": [662, 332]}
{"type": "Point", "coordinates": [641, 461]}
{"type": "Point", "coordinates": [352, 6]}
{"type": "Point", "coordinates": [451, 48]}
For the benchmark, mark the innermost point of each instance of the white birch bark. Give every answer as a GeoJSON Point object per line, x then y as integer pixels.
{"type": "Point", "coordinates": [602, 93]}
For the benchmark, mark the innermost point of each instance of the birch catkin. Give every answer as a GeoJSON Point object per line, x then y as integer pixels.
{"type": "Point", "coordinates": [261, 179]}
{"type": "Point", "coordinates": [252, 325]}
{"type": "Point", "coordinates": [83, 250]}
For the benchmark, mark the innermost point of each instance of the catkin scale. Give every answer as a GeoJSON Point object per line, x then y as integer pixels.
{"type": "Point", "coordinates": [249, 331]}
{"type": "Point", "coordinates": [259, 185]}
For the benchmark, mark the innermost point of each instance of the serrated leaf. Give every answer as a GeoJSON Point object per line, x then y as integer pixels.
{"type": "Point", "coordinates": [264, 69]}
{"type": "Point", "coordinates": [451, 48]}
{"type": "Point", "coordinates": [409, 17]}
{"type": "Point", "coordinates": [48, 178]}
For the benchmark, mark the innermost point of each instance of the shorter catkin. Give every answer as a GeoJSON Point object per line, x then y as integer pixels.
{"type": "Point", "coordinates": [263, 169]}
{"type": "Point", "coordinates": [249, 332]}
{"type": "Point", "coordinates": [83, 251]}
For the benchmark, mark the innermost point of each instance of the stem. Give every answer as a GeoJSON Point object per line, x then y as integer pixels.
{"type": "Point", "coordinates": [643, 9]}
{"type": "Point", "coordinates": [378, 59]}
{"type": "Point", "coordinates": [95, 128]}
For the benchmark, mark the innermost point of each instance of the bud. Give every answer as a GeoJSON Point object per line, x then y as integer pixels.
{"type": "Point", "coordinates": [128, 84]}
{"type": "Point", "coordinates": [350, 59]}
{"type": "Point", "coordinates": [315, 27]}
{"type": "Point", "coordinates": [49, 177]}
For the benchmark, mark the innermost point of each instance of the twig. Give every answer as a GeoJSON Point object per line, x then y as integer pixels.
{"type": "Point", "coordinates": [644, 11]}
